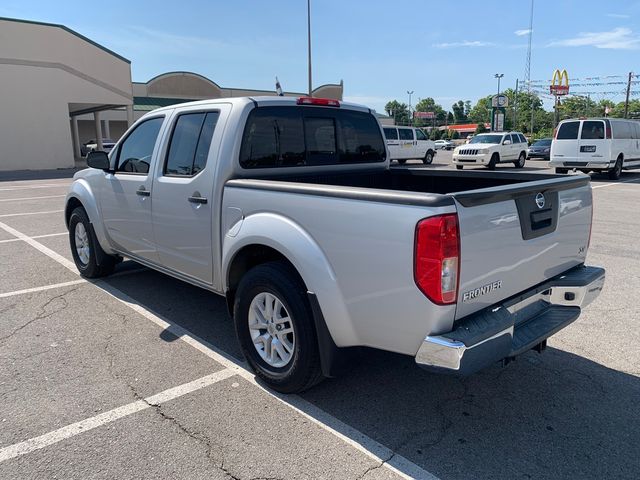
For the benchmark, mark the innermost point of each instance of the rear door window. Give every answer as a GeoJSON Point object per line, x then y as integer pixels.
{"type": "Point", "coordinates": [514, 139]}
{"type": "Point", "coordinates": [568, 131]}
{"type": "Point", "coordinates": [306, 136]}
{"type": "Point", "coordinates": [405, 133]}
{"type": "Point", "coordinates": [391, 133]}
{"type": "Point", "coordinates": [190, 142]}
{"type": "Point", "coordinates": [592, 130]}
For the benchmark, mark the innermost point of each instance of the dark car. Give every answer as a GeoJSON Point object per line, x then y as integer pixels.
{"type": "Point", "coordinates": [540, 149]}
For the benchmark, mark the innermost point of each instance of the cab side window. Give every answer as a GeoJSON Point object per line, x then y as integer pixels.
{"type": "Point", "coordinates": [420, 135]}
{"type": "Point", "coordinates": [134, 154]}
{"type": "Point", "coordinates": [190, 142]}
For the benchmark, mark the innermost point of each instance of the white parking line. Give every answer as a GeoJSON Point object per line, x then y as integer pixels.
{"type": "Point", "coordinates": [29, 198]}
{"type": "Point", "coordinates": [633, 180]}
{"type": "Point", "coordinates": [77, 428]}
{"type": "Point", "coordinates": [35, 236]}
{"type": "Point", "coordinates": [29, 213]}
{"type": "Point", "coordinates": [350, 435]}
{"type": "Point", "coordinates": [41, 289]}
{"type": "Point", "coordinates": [27, 187]}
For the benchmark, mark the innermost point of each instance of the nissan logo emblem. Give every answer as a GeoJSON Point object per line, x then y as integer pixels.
{"type": "Point", "coordinates": [540, 200]}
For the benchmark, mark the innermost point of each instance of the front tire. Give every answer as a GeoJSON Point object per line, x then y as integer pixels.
{"type": "Point", "coordinates": [428, 158]}
{"type": "Point", "coordinates": [90, 259]}
{"type": "Point", "coordinates": [495, 158]}
{"type": "Point", "coordinates": [521, 160]}
{"type": "Point", "coordinates": [275, 328]}
{"type": "Point", "coordinates": [615, 173]}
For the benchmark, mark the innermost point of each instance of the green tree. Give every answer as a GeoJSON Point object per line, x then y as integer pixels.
{"type": "Point", "coordinates": [459, 115]}
{"type": "Point", "coordinates": [481, 111]}
{"type": "Point", "coordinates": [455, 135]}
{"type": "Point", "coordinates": [435, 134]}
{"type": "Point", "coordinates": [481, 128]}
{"type": "Point", "coordinates": [399, 112]}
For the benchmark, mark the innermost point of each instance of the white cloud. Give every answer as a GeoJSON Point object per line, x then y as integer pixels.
{"type": "Point", "coordinates": [618, 15]}
{"type": "Point", "coordinates": [523, 32]}
{"type": "Point", "coordinates": [465, 43]}
{"type": "Point", "coordinates": [618, 39]}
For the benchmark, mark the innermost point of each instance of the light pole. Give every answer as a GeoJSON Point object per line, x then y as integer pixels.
{"type": "Point", "coordinates": [499, 76]}
{"type": "Point", "coordinates": [309, 43]}
{"type": "Point", "coordinates": [410, 93]}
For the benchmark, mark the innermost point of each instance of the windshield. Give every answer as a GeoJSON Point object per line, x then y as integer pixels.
{"type": "Point", "coordinates": [486, 139]}
{"type": "Point", "coordinates": [545, 142]}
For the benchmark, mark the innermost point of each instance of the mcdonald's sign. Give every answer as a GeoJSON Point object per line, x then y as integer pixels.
{"type": "Point", "coordinates": [559, 83]}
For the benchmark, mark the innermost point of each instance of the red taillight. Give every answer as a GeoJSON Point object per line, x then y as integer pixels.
{"type": "Point", "coordinates": [325, 102]}
{"type": "Point", "coordinates": [437, 258]}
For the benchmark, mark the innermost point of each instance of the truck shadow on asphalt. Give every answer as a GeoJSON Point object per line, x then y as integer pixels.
{"type": "Point", "coordinates": [555, 415]}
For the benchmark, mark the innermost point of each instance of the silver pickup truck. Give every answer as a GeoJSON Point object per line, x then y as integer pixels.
{"type": "Point", "coordinates": [288, 208]}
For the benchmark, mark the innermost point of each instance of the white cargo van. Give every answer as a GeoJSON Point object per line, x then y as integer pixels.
{"type": "Point", "coordinates": [596, 144]}
{"type": "Point", "coordinates": [405, 143]}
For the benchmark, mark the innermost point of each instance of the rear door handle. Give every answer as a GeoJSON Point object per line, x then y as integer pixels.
{"type": "Point", "coordinates": [200, 200]}
{"type": "Point", "coordinates": [142, 192]}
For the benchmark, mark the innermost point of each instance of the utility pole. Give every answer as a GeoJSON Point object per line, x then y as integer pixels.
{"type": "Point", "coordinates": [410, 116]}
{"type": "Point", "coordinates": [626, 101]}
{"type": "Point", "coordinates": [309, 44]}
{"type": "Point", "coordinates": [515, 107]}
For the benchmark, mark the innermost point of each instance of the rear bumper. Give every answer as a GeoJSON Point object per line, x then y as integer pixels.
{"type": "Point", "coordinates": [513, 327]}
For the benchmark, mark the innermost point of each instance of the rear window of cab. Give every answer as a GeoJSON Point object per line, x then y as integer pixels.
{"type": "Point", "coordinates": [297, 136]}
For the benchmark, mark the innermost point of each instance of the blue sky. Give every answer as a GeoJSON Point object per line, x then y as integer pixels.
{"type": "Point", "coordinates": [381, 49]}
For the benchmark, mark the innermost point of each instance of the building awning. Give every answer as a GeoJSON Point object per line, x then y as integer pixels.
{"type": "Point", "coordinates": [146, 104]}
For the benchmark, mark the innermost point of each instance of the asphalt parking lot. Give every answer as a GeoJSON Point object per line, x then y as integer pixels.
{"type": "Point", "coordinates": [139, 376]}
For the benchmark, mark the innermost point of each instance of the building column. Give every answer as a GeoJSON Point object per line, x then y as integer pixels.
{"type": "Point", "coordinates": [98, 126]}
{"type": "Point", "coordinates": [129, 115]}
{"type": "Point", "coordinates": [105, 129]}
{"type": "Point", "coordinates": [75, 138]}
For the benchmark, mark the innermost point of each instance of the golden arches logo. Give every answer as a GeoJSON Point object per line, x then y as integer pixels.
{"type": "Point", "coordinates": [559, 82]}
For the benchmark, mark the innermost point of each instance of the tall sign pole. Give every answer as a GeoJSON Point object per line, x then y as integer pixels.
{"type": "Point", "coordinates": [309, 44]}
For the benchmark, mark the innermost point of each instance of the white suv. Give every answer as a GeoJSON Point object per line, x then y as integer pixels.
{"type": "Point", "coordinates": [489, 149]}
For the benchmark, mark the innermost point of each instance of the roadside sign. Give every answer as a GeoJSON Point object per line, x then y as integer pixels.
{"type": "Point", "coordinates": [424, 115]}
{"type": "Point", "coordinates": [500, 101]}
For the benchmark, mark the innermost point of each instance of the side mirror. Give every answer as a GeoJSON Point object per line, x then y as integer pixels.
{"type": "Point", "coordinates": [99, 160]}
{"type": "Point", "coordinates": [507, 142]}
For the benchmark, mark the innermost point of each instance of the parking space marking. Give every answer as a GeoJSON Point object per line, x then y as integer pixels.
{"type": "Point", "coordinates": [633, 180]}
{"type": "Point", "coordinates": [350, 435]}
{"type": "Point", "coordinates": [29, 213]}
{"type": "Point", "coordinates": [35, 236]}
{"type": "Point", "coordinates": [41, 289]}
{"type": "Point", "coordinates": [74, 429]}
{"type": "Point", "coordinates": [25, 187]}
{"type": "Point", "coordinates": [38, 246]}
{"type": "Point", "coordinates": [30, 198]}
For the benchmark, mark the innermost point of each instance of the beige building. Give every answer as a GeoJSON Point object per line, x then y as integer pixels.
{"type": "Point", "coordinates": [60, 89]}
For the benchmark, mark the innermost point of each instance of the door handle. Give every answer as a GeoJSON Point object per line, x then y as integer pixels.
{"type": "Point", "coordinates": [142, 192]}
{"type": "Point", "coordinates": [200, 200]}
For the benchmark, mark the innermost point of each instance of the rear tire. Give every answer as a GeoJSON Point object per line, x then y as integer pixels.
{"type": "Point", "coordinates": [615, 173]}
{"type": "Point", "coordinates": [86, 249]}
{"type": "Point", "coordinates": [459, 167]}
{"type": "Point", "coordinates": [521, 160]}
{"type": "Point", "coordinates": [428, 158]}
{"type": "Point", "coordinates": [562, 170]}
{"type": "Point", "coordinates": [495, 158]}
{"type": "Point", "coordinates": [289, 365]}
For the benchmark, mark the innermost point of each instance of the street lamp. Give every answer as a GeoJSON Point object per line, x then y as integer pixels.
{"type": "Point", "coordinates": [409, 93]}
{"type": "Point", "coordinates": [498, 76]}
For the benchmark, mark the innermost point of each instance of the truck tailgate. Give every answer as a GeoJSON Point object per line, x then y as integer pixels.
{"type": "Point", "coordinates": [515, 237]}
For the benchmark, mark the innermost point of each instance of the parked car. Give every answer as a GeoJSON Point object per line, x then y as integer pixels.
{"type": "Point", "coordinates": [540, 149]}
{"type": "Point", "coordinates": [489, 149]}
{"type": "Point", "coordinates": [443, 144]}
{"type": "Point", "coordinates": [405, 143]}
{"type": "Point", "coordinates": [288, 208]}
{"type": "Point", "coordinates": [92, 146]}
{"type": "Point", "coordinates": [596, 145]}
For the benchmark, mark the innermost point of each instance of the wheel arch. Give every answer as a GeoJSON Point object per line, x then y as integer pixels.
{"type": "Point", "coordinates": [81, 195]}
